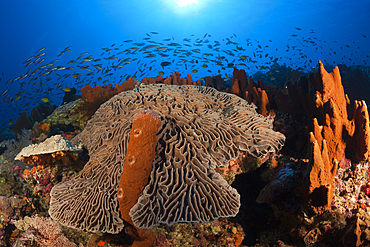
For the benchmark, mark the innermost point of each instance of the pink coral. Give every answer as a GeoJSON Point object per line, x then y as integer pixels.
{"type": "Point", "coordinates": [48, 233]}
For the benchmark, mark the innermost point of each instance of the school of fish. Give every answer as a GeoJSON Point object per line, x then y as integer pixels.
{"type": "Point", "coordinates": [44, 81]}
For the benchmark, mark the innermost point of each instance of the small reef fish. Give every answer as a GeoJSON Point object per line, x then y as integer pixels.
{"type": "Point", "coordinates": [41, 54]}
{"type": "Point", "coordinates": [168, 54]}
{"type": "Point", "coordinates": [164, 64]}
{"type": "Point", "coordinates": [5, 91]}
{"type": "Point", "coordinates": [40, 50]}
{"type": "Point", "coordinates": [46, 100]}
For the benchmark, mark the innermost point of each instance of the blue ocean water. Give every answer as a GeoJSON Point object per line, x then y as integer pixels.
{"type": "Point", "coordinates": [101, 42]}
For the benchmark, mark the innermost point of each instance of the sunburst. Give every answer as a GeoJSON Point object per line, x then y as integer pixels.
{"type": "Point", "coordinates": [183, 3]}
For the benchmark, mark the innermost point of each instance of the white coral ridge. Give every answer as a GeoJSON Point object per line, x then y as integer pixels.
{"type": "Point", "coordinates": [50, 145]}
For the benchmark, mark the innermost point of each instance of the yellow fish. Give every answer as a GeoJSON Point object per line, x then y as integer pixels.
{"type": "Point", "coordinates": [18, 97]}
{"type": "Point", "coordinates": [204, 66]}
{"type": "Point", "coordinates": [160, 73]}
{"type": "Point", "coordinates": [75, 76]}
{"type": "Point", "coordinates": [194, 71]}
{"type": "Point", "coordinates": [67, 89]}
{"type": "Point", "coordinates": [99, 78]}
{"type": "Point", "coordinates": [46, 100]}
{"type": "Point", "coordinates": [10, 122]}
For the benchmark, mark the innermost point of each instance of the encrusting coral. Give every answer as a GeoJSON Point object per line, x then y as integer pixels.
{"type": "Point", "coordinates": [201, 129]}
{"type": "Point", "coordinates": [44, 231]}
{"type": "Point", "coordinates": [53, 148]}
{"type": "Point", "coordinates": [140, 155]}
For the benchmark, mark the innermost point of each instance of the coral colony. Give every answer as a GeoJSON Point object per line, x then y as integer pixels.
{"type": "Point", "coordinates": [176, 162]}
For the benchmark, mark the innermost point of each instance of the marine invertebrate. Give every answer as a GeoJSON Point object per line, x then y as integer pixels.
{"type": "Point", "coordinates": [337, 137]}
{"type": "Point", "coordinates": [71, 116]}
{"type": "Point", "coordinates": [53, 148]}
{"type": "Point", "coordinates": [101, 94]}
{"type": "Point", "coordinates": [8, 204]}
{"type": "Point", "coordinates": [338, 131]}
{"type": "Point", "coordinates": [246, 89]}
{"type": "Point", "coordinates": [221, 232]}
{"type": "Point", "coordinates": [318, 178]}
{"type": "Point", "coordinates": [98, 93]}
{"type": "Point", "coordinates": [44, 126]}
{"type": "Point", "coordinates": [47, 157]}
{"type": "Point", "coordinates": [201, 129]}
{"type": "Point", "coordinates": [7, 207]}
{"type": "Point", "coordinates": [140, 155]}
{"type": "Point", "coordinates": [44, 231]}
{"type": "Point", "coordinates": [346, 130]}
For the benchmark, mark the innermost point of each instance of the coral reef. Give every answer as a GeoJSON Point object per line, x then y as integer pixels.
{"type": "Point", "coordinates": [279, 75]}
{"type": "Point", "coordinates": [7, 207]}
{"type": "Point", "coordinates": [43, 231]}
{"type": "Point", "coordinates": [48, 160]}
{"type": "Point", "coordinates": [38, 113]}
{"type": "Point", "coordinates": [207, 156]}
{"type": "Point", "coordinates": [188, 146]}
{"type": "Point", "coordinates": [322, 96]}
{"type": "Point", "coordinates": [217, 233]}
{"type": "Point", "coordinates": [338, 133]}
{"type": "Point", "coordinates": [71, 117]}
{"type": "Point", "coordinates": [14, 146]}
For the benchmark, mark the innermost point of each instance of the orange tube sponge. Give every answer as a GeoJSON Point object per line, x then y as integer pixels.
{"type": "Point", "coordinates": [318, 182]}
{"type": "Point", "coordinates": [136, 170]}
